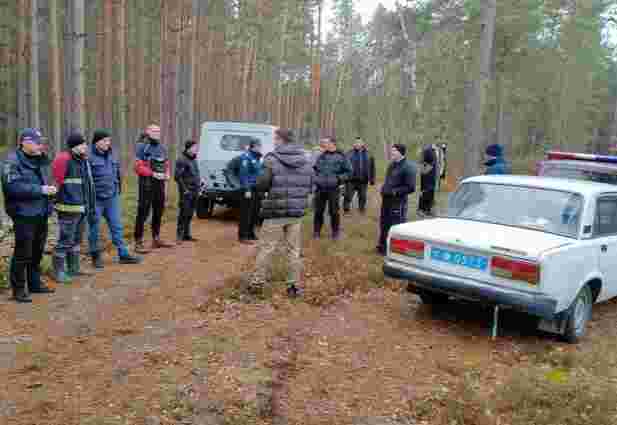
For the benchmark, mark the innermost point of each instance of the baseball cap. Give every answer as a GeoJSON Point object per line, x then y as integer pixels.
{"type": "Point", "coordinates": [31, 135]}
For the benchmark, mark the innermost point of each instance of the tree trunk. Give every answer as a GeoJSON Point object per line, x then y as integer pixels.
{"type": "Point", "coordinates": [34, 67]}
{"type": "Point", "coordinates": [108, 62]}
{"type": "Point", "coordinates": [78, 78]}
{"type": "Point", "coordinates": [23, 101]}
{"type": "Point", "coordinates": [612, 131]}
{"type": "Point", "coordinates": [476, 91]}
{"type": "Point", "coordinates": [123, 130]}
{"type": "Point", "coordinates": [408, 62]}
{"type": "Point", "coordinates": [141, 98]}
{"type": "Point", "coordinates": [55, 97]}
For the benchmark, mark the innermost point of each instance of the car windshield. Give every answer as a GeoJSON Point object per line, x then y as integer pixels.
{"type": "Point", "coordinates": [580, 174]}
{"type": "Point", "coordinates": [545, 210]}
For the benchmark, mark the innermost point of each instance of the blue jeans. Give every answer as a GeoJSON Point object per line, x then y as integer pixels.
{"type": "Point", "coordinates": [112, 211]}
{"type": "Point", "coordinates": [71, 227]}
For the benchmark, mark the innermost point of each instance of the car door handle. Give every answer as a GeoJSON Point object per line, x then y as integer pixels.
{"type": "Point", "coordinates": [604, 248]}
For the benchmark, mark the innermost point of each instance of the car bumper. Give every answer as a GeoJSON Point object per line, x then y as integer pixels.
{"type": "Point", "coordinates": [533, 303]}
{"type": "Point", "coordinates": [221, 196]}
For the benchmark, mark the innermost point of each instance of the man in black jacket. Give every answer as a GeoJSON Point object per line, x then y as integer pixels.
{"type": "Point", "coordinates": [187, 178]}
{"type": "Point", "coordinates": [428, 181]}
{"type": "Point", "coordinates": [400, 182]}
{"type": "Point", "coordinates": [363, 173]}
{"type": "Point", "coordinates": [331, 170]}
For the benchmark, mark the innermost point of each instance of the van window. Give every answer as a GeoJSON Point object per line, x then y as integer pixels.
{"type": "Point", "coordinates": [236, 142]}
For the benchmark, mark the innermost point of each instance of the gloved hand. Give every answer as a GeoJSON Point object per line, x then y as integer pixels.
{"type": "Point", "coordinates": [159, 176]}
{"type": "Point", "coordinates": [49, 190]}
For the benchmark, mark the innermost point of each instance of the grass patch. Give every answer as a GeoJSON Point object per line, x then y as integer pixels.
{"type": "Point", "coordinates": [203, 346]}
{"type": "Point", "coordinates": [174, 404]}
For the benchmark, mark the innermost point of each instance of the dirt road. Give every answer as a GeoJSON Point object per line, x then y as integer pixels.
{"type": "Point", "coordinates": [147, 343]}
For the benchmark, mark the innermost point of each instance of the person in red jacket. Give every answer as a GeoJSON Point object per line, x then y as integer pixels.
{"type": "Point", "coordinates": [152, 167]}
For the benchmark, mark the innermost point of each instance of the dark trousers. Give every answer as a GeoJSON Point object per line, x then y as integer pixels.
{"type": "Point", "coordinates": [425, 203]}
{"type": "Point", "coordinates": [30, 240]}
{"type": "Point", "coordinates": [331, 200]}
{"type": "Point", "coordinates": [249, 216]}
{"type": "Point", "coordinates": [393, 212]}
{"type": "Point", "coordinates": [186, 209]}
{"type": "Point", "coordinates": [151, 197]}
{"type": "Point", "coordinates": [351, 189]}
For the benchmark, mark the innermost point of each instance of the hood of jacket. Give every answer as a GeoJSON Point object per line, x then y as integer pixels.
{"type": "Point", "coordinates": [291, 155]}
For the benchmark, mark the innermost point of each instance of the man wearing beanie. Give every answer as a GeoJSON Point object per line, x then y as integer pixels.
{"type": "Point", "coordinates": [75, 202]}
{"type": "Point", "coordinates": [27, 194]}
{"type": "Point", "coordinates": [243, 171]}
{"type": "Point", "coordinates": [152, 167]}
{"type": "Point", "coordinates": [495, 162]}
{"type": "Point", "coordinates": [107, 184]}
{"type": "Point", "coordinates": [187, 178]}
{"type": "Point", "coordinates": [400, 182]}
{"type": "Point", "coordinates": [331, 171]}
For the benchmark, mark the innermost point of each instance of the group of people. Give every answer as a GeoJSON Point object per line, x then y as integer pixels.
{"type": "Point", "coordinates": [84, 186]}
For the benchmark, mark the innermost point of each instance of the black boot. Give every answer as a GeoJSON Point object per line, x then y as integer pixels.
{"type": "Point", "coordinates": [17, 276]}
{"type": "Point", "coordinates": [60, 273]}
{"type": "Point", "coordinates": [97, 261]}
{"type": "Point", "coordinates": [35, 284]}
{"type": "Point", "coordinates": [21, 296]}
{"type": "Point", "coordinates": [129, 259]}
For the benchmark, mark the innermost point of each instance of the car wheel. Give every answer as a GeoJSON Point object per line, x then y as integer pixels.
{"type": "Point", "coordinates": [433, 298]}
{"type": "Point", "coordinates": [578, 315]}
{"type": "Point", "coordinates": [205, 208]}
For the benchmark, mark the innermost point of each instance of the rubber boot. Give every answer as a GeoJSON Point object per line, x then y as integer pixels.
{"type": "Point", "coordinates": [129, 259]}
{"type": "Point", "coordinates": [72, 260]}
{"type": "Point", "coordinates": [17, 276]}
{"type": "Point", "coordinates": [97, 261]}
{"type": "Point", "coordinates": [21, 296]}
{"type": "Point", "coordinates": [59, 271]}
{"type": "Point", "coordinates": [35, 284]}
{"type": "Point", "coordinates": [140, 248]}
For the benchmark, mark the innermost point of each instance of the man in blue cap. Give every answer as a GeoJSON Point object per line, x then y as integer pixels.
{"type": "Point", "coordinates": [27, 194]}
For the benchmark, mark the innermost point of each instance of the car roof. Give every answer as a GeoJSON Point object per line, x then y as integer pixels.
{"type": "Point", "coordinates": [567, 185]}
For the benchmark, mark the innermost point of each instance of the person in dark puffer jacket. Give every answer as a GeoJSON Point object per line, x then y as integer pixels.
{"type": "Point", "coordinates": [287, 179]}
{"type": "Point", "coordinates": [75, 203]}
{"type": "Point", "coordinates": [188, 180]}
{"type": "Point", "coordinates": [400, 182]}
{"type": "Point", "coordinates": [363, 166]}
{"type": "Point", "coordinates": [107, 186]}
{"type": "Point", "coordinates": [27, 194]}
{"type": "Point", "coordinates": [332, 169]}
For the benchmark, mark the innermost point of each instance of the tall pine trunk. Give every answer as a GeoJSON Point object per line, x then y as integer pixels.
{"type": "Point", "coordinates": [476, 91]}
{"type": "Point", "coordinates": [55, 97]}
{"type": "Point", "coordinates": [22, 65]}
{"type": "Point", "coordinates": [34, 65]}
{"type": "Point", "coordinates": [108, 58]}
{"type": "Point", "coordinates": [123, 130]}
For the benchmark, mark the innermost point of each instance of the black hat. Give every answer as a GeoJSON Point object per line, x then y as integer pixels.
{"type": "Point", "coordinates": [254, 143]}
{"type": "Point", "coordinates": [401, 148]}
{"type": "Point", "coordinates": [189, 144]}
{"type": "Point", "coordinates": [75, 139]}
{"type": "Point", "coordinates": [100, 134]}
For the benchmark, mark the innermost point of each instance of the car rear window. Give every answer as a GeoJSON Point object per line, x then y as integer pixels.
{"type": "Point", "coordinates": [546, 210]}
{"type": "Point", "coordinates": [236, 142]}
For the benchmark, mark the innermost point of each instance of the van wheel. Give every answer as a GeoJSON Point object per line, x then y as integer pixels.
{"type": "Point", "coordinates": [205, 208]}
{"type": "Point", "coordinates": [578, 315]}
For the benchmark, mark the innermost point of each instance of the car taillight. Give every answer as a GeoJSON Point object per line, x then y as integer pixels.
{"type": "Point", "coordinates": [411, 248]}
{"type": "Point", "coordinates": [516, 270]}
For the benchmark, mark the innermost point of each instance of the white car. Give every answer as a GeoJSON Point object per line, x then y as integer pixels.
{"type": "Point", "coordinates": [544, 246]}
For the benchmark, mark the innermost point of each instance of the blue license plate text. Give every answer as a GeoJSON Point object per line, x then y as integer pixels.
{"type": "Point", "coordinates": [452, 257]}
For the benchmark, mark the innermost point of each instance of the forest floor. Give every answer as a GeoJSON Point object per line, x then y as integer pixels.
{"type": "Point", "coordinates": [175, 341]}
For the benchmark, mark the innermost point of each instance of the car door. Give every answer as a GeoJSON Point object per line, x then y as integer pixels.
{"type": "Point", "coordinates": [605, 235]}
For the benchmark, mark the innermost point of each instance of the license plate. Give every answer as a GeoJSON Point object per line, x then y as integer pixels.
{"type": "Point", "coordinates": [459, 259]}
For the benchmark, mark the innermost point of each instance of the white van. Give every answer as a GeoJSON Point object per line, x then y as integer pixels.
{"type": "Point", "coordinates": [219, 143]}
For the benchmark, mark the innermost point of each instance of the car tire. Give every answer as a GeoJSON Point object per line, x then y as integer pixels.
{"type": "Point", "coordinates": [433, 298]}
{"type": "Point", "coordinates": [205, 208]}
{"type": "Point", "coordinates": [578, 315]}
